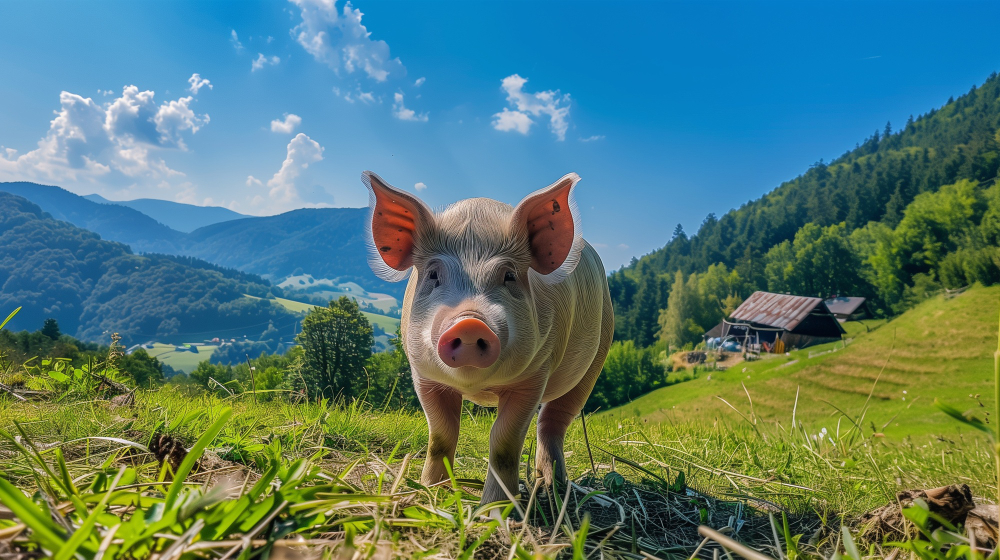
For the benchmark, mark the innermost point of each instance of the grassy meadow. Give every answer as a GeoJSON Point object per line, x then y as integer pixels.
{"type": "Point", "coordinates": [179, 472]}
{"type": "Point", "coordinates": [942, 348]}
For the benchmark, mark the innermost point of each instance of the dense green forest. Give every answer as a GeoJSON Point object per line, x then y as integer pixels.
{"type": "Point", "coordinates": [94, 287]}
{"type": "Point", "coordinates": [903, 214]}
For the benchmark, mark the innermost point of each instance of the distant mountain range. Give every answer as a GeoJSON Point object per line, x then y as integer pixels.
{"type": "Point", "coordinates": [112, 222]}
{"type": "Point", "coordinates": [175, 215]}
{"type": "Point", "coordinates": [323, 242]}
{"type": "Point", "coordinates": [94, 287]}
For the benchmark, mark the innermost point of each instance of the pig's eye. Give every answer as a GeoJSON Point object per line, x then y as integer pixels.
{"type": "Point", "coordinates": [509, 276]}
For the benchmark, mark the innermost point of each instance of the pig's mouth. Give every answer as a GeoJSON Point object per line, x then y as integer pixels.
{"type": "Point", "coordinates": [469, 342]}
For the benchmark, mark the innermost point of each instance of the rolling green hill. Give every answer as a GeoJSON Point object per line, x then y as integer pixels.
{"type": "Point", "coordinates": [942, 348]}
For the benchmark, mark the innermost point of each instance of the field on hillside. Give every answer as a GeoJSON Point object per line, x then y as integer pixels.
{"type": "Point", "coordinates": [181, 361]}
{"type": "Point", "coordinates": [943, 348]}
{"type": "Point", "coordinates": [389, 324]}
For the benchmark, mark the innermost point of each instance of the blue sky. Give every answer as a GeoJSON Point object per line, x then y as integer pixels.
{"type": "Point", "coordinates": [668, 110]}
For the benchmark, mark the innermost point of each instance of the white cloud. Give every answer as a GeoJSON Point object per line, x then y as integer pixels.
{"type": "Point", "coordinates": [508, 120]}
{"type": "Point", "coordinates": [188, 194]}
{"type": "Point", "coordinates": [420, 81]}
{"type": "Point", "coordinates": [116, 143]}
{"type": "Point", "coordinates": [339, 40]}
{"type": "Point", "coordinates": [197, 82]}
{"type": "Point", "coordinates": [284, 192]}
{"type": "Point", "coordinates": [261, 61]}
{"type": "Point", "coordinates": [366, 96]}
{"type": "Point", "coordinates": [286, 126]}
{"type": "Point", "coordinates": [402, 113]}
{"type": "Point", "coordinates": [525, 105]}
{"type": "Point", "coordinates": [420, 187]}
{"type": "Point", "coordinates": [593, 138]}
{"type": "Point", "coordinates": [235, 41]}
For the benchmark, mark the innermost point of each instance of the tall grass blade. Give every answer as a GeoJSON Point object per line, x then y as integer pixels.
{"type": "Point", "coordinates": [9, 317]}
{"type": "Point", "coordinates": [193, 456]}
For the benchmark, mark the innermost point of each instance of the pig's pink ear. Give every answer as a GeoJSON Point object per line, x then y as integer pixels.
{"type": "Point", "coordinates": [552, 220]}
{"type": "Point", "coordinates": [394, 221]}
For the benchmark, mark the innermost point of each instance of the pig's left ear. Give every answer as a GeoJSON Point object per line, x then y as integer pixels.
{"type": "Point", "coordinates": [395, 221]}
{"type": "Point", "coordinates": [552, 220]}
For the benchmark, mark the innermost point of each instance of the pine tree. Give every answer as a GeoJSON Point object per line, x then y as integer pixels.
{"type": "Point", "coordinates": [51, 329]}
{"type": "Point", "coordinates": [678, 233]}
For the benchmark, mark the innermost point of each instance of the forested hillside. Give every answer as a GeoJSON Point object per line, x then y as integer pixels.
{"type": "Point", "coordinates": [93, 287]}
{"type": "Point", "coordinates": [322, 242]}
{"type": "Point", "coordinates": [899, 216]}
{"type": "Point", "coordinates": [110, 221]}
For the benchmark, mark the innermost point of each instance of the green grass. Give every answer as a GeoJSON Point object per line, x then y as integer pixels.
{"type": "Point", "coordinates": [845, 473]}
{"type": "Point", "coordinates": [940, 349]}
{"type": "Point", "coordinates": [181, 361]}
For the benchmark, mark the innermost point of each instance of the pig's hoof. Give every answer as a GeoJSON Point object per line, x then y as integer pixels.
{"type": "Point", "coordinates": [552, 476]}
{"type": "Point", "coordinates": [497, 512]}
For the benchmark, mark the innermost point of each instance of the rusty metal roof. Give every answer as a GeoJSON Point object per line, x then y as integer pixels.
{"type": "Point", "coordinates": [841, 305]}
{"type": "Point", "coordinates": [778, 310]}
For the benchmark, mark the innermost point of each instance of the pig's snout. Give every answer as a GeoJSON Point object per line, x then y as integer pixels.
{"type": "Point", "coordinates": [469, 343]}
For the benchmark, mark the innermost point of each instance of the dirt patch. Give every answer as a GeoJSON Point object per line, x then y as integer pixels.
{"type": "Point", "coordinates": [952, 503]}
{"type": "Point", "coordinates": [688, 360]}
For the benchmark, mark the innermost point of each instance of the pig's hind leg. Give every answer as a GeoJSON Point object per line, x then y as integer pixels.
{"type": "Point", "coordinates": [554, 420]}
{"type": "Point", "coordinates": [443, 407]}
{"type": "Point", "coordinates": [556, 415]}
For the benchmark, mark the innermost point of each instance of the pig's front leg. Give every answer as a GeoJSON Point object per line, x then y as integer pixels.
{"type": "Point", "coordinates": [443, 407]}
{"type": "Point", "coordinates": [514, 413]}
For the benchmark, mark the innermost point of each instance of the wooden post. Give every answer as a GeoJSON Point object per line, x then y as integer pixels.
{"type": "Point", "coordinates": [253, 381]}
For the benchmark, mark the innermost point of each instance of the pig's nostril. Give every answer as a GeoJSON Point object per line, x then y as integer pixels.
{"type": "Point", "coordinates": [482, 345]}
{"type": "Point", "coordinates": [456, 343]}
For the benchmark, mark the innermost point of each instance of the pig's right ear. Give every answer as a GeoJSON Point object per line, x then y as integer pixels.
{"type": "Point", "coordinates": [552, 221]}
{"type": "Point", "coordinates": [394, 220]}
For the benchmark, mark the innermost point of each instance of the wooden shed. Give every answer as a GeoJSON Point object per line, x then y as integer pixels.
{"type": "Point", "coordinates": [764, 318]}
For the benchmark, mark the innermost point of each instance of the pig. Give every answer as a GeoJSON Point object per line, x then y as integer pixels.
{"type": "Point", "coordinates": [506, 307]}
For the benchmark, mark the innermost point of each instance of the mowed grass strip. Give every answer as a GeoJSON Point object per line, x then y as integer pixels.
{"type": "Point", "coordinates": [941, 349]}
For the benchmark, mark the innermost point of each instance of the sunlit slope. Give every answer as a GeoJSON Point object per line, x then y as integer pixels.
{"type": "Point", "coordinates": [943, 348]}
